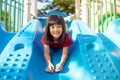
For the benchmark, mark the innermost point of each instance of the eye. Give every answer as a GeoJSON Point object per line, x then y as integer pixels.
{"type": "Point", "coordinates": [59, 26]}
{"type": "Point", "coordinates": [52, 26]}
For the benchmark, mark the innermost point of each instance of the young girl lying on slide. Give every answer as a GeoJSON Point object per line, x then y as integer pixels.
{"type": "Point", "coordinates": [55, 35]}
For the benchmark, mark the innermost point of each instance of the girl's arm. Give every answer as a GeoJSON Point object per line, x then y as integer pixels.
{"type": "Point", "coordinates": [47, 57]}
{"type": "Point", "coordinates": [47, 54]}
{"type": "Point", "coordinates": [64, 56]}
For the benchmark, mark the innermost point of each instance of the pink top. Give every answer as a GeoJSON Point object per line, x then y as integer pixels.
{"type": "Point", "coordinates": [68, 42]}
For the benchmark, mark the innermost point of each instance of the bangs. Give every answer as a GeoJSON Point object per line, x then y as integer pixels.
{"type": "Point", "coordinates": [52, 21]}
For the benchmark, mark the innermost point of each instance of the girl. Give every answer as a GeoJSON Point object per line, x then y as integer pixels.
{"type": "Point", "coordinates": [55, 36]}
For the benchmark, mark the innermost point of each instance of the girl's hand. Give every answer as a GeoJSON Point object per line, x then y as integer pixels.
{"type": "Point", "coordinates": [59, 67]}
{"type": "Point", "coordinates": [50, 68]}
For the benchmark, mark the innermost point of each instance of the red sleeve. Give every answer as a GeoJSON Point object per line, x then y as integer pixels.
{"type": "Point", "coordinates": [42, 39]}
{"type": "Point", "coordinates": [68, 41]}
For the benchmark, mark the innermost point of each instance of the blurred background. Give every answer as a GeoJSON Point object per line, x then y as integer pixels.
{"type": "Point", "coordinates": [95, 13]}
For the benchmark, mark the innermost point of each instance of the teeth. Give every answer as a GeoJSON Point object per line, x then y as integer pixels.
{"type": "Point", "coordinates": [56, 33]}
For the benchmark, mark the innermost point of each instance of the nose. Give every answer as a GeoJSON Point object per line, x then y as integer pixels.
{"type": "Point", "coordinates": [56, 29]}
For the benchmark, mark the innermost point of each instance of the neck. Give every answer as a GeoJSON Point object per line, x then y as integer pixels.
{"type": "Point", "coordinates": [55, 39]}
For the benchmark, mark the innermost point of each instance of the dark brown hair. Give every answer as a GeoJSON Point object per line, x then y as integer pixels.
{"type": "Point", "coordinates": [55, 19]}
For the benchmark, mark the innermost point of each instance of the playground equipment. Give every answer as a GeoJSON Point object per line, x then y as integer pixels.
{"type": "Point", "coordinates": [111, 40]}
{"type": "Point", "coordinates": [22, 57]}
{"type": "Point", "coordinates": [5, 36]}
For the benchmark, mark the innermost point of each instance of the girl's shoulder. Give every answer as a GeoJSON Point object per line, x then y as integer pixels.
{"type": "Point", "coordinates": [68, 41]}
{"type": "Point", "coordinates": [42, 39]}
{"type": "Point", "coordinates": [68, 35]}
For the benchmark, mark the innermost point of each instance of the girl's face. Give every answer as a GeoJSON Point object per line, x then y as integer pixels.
{"type": "Point", "coordinates": [55, 30]}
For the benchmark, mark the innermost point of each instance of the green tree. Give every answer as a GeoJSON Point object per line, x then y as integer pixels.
{"type": "Point", "coordinates": [67, 6]}
{"type": "Point", "coordinates": [5, 19]}
{"type": "Point", "coordinates": [43, 0]}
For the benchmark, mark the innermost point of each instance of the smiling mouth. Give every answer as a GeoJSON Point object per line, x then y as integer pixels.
{"type": "Point", "coordinates": [56, 33]}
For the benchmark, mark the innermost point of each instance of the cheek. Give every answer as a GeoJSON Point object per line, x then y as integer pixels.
{"type": "Point", "coordinates": [61, 30]}
{"type": "Point", "coordinates": [50, 29]}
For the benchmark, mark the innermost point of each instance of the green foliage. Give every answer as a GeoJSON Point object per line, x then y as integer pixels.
{"type": "Point", "coordinates": [5, 20]}
{"type": "Point", "coordinates": [103, 23]}
{"type": "Point", "coordinates": [43, 0]}
{"type": "Point", "coordinates": [67, 6]}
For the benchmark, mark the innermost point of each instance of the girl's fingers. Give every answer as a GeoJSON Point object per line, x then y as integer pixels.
{"type": "Point", "coordinates": [49, 69]}
{"type": "Point", "coordinates": [58, 68]}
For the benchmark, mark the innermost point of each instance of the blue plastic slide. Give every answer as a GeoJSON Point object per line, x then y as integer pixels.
{"type": "Point", "coordinates": [15, 56]}
{"type": "Point", "coordinates": [111, 40]}
{"type": "Point", "coordinates": [4, 36]}
{"type": "Point", "coordinates": [22, 58]}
